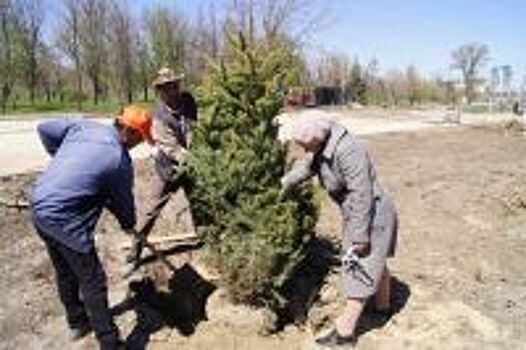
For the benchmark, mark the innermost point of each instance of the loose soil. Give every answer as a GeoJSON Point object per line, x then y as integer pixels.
{"type": "Point", "coordinates": [460, 278]}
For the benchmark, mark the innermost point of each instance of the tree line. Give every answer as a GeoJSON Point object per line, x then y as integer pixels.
{"type": "Point", "coordinates": [101, 50]}
{"type": "Point", "coordinates": [363, 84]}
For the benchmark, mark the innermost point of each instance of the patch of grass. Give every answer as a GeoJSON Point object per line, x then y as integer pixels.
{"type": "Point", "coordinates": [480, 109]}
{"type": "Point", "coordinates": [26, 108]}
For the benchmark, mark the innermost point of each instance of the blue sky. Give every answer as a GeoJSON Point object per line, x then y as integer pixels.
{"type": "Point", "coordinates": [403, 32]}
{"type": "Point", "coordinates": [424, 32]}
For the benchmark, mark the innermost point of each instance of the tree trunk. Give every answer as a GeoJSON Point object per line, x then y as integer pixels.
{"type": "Point", "coordinates": [5, 97]}
{"type": "Point", "coordinates": [95, 91]}
{"type": "Point", "coordinates": [145, 92]}
{"type": "Point", "coordinates": [79, 85]}
{"type": "Point", "coordinates": [32, 71]}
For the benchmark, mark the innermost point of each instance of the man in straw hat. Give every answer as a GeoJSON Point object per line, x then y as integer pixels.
{"type": "Point", "coordinates": [172, 119]}
{"type": "Point", "coordinates": [90, 170]}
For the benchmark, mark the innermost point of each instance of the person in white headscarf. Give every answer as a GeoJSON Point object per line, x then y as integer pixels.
{"type": "Point", "coordinates": [346, 171]}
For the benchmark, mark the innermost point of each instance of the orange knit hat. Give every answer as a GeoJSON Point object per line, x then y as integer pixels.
{"type": "Point", "coordinates": [137, 118]}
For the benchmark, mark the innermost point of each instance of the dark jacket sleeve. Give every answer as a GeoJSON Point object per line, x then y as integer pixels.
{"type": "Point", "coordinates": [188, 106]}
{"type": "Point", "coordinates": [121, 202]}
{"type": "Point", "coordinates": [52, 133]}
{"type": "Point", "coordinates": [189, 112]}
{"type": "Point", "coordinates": [357, 207]}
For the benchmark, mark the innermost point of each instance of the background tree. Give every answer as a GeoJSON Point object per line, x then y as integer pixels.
{"type": "Point", "coordinates": [144, 64]}
{"type": "Point", "coordinates": [494, 85]}
{"type": "Point", "coordinates": [123, 50]}
{"type": "Point", "coordinates": [396, 86]}
{"type": "Point", "coordinates": [13, 57]}
{"type": "Point", "coordinates": [204, 42]}
{"type": "Point", "coordinates": [69, 42]}
{"type": "Point", "coordinates": [356, 88]}
{"type": "Point", "coordinates": [469, 59]}
{"type": "Point", "coordinates": [166, 30]}
{"type": "Point", "coordinates": [507, 79]}
{"type": "Point", "coordinates": [333, 70]}
{"type": "Point", "coordinates": [283, 23]}
{"type": "Point", "coordinates": [6, 40]}
{"type": "Point", "coordinates": [93, 43]}
{"type": "Point", "coordinates": [414, 85]}
{"type": "Point", "coordinates": [108, 51]}
{"type": "Point", "coordinates": [51, 77]}
{"type": "Point", "coordinates": [32, 19]}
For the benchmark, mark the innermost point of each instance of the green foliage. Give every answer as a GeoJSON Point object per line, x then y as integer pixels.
{"type": "Point", "coordinates": [356, 87]}
{"type": "Point", "coordinates": [256, 238]}
{"type": "Point", "coordinates": [68, 105]}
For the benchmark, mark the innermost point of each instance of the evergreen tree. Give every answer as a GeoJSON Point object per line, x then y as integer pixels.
{"type": "Point", "coordinates": [356, 88]}
{"type": "Point", "coordinates": [255, 236]}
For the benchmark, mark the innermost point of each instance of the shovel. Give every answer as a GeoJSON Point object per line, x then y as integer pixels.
{"type": "Point", "coordinates": [158, 254]}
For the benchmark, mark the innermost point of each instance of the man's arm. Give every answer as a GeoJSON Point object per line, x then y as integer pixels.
{"type": "Point", "coordinates": [121, 202]}
{"type": "Point", "coordinates": [52, 133]}
{"type": "Point", "coordinates": [167, 142]}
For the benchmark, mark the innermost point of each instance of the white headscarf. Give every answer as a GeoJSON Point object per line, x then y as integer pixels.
{"type": "Point", "coordinates": [312, 126]}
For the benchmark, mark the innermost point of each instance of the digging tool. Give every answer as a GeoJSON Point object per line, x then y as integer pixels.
{"type": "Point", "coordinates": [144, 242]}
{"type": "Point", "coordinates": [351, 261]}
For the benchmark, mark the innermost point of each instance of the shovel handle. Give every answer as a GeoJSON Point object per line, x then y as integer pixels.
{"type": "Point", "coordinates": [154, 250]}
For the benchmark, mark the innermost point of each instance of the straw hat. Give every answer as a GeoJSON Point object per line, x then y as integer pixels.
{"type": "Point", "coordinates": [165, 75]}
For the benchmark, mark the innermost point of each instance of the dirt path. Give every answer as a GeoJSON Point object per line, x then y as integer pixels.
{"type": "Point", "coordinates": [461, 193]}
{"type": "Point", "coordinates": [22, 151]}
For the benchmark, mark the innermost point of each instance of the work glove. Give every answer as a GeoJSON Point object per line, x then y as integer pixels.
{"type": "Point", "coordinates": [352, 256]}
{"type": "Point", "coordinates": [351, 261]}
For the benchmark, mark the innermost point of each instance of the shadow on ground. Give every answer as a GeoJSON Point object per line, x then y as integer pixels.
{"type": "Point", "coordinates": [181, 307]}
{"type": "Point", "coordinates": [303, 288]}
{"type": "Point", "coordinates": [370, 319]}
{"type": "Point", "coordinates": [303, 292]}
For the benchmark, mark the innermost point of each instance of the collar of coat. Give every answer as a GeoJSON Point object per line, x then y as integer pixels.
{"type": "Point", "coordinates": [336, 133]}
{"type": "Point", "coordinates": [173, 112]}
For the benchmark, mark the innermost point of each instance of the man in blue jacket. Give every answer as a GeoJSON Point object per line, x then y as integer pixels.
{"type": "Point", "coordinates": [90, 170]}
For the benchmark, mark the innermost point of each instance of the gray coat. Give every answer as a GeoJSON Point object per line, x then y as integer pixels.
{"type": "Point", "coordinates": [171, 131]}
{"type": "Point", "coordinates": [346, 171]}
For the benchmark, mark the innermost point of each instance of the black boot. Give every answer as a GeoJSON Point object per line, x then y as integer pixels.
{"type": "Point", "coordinates": [80, 331]}
{"type": "Point", "coordinates": [334, 339]}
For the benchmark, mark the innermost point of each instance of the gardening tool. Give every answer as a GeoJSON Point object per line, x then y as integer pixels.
{"type": "Point", "coordinates": [351, 262]}
{"type": "Point", "coordinates": [144, 242]}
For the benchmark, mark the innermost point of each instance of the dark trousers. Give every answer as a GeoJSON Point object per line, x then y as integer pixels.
{"type": "Point", "coordinates": [81, 283]}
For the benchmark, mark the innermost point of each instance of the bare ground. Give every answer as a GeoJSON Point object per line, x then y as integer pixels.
{"type": "Point", "coordinates": [461, 284]}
